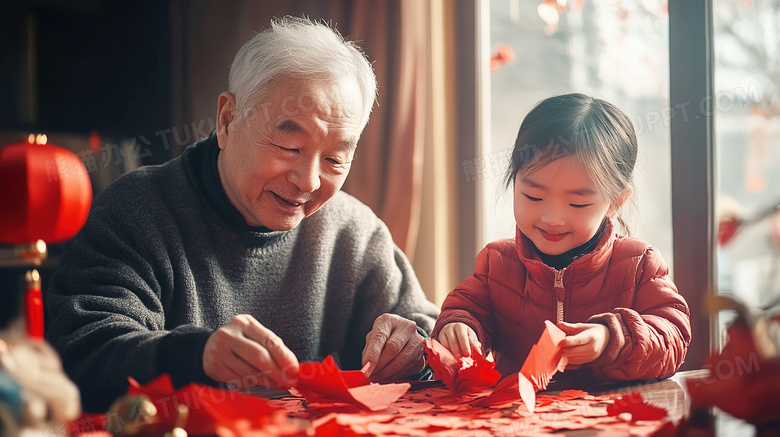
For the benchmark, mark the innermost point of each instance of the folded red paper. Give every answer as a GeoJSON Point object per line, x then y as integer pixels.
{"type": "Point", "coordinates": [462, 375]}
{"type": "Point", "coordinates": [543, 361]}
{"type": "Point", "coordinates": [326, 382]}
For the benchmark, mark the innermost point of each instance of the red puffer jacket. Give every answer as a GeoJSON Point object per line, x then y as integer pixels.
{"type": "Point", "coordinates": [623, 284]}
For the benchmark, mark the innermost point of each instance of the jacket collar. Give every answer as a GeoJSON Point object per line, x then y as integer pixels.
{"type": "Point", "coordinates": [586, 266]}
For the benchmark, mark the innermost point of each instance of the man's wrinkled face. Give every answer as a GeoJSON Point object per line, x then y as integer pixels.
{"type": "Point", "coordinates": [291, 153]}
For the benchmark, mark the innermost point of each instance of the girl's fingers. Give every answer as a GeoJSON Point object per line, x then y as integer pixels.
{"type": "Point", "coordinates": [450, 341]}
{"type": "Point", "coordinates": [464, 342]}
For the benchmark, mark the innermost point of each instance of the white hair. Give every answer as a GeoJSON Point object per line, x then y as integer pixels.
{"type": "Point", "coordinates": [298, 48]}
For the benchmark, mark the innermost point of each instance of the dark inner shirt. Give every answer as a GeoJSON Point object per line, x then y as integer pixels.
{"type": "Point", "coordinates": [202, 159]}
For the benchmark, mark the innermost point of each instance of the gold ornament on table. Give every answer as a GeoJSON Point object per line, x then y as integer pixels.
{"type": "Point", "coordinates": [136, 416]}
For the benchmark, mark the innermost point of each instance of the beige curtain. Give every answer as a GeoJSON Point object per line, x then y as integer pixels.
{"type": "Point", "coordinates": [387, 172]}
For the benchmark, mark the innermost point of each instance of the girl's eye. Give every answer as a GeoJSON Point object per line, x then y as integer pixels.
{"type": "Point", "coordinates": [532, 199]}
{"type": "Point", "coordinates": [580, 206]}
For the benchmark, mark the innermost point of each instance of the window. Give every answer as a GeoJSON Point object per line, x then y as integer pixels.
{"type": "Point", "coordinates": [746, 105]}
{"type": "Point", "coordinates": [615, 50]}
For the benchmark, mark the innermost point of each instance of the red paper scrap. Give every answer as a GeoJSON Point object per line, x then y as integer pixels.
{"type": "Point", "coordinates": [543, 361]}
{"type": "Point", "coordinates": [377, 397]}
{"type": "Point", "coordinates": [546, 357]}
{"type": "Point", "coordinates": [513, 387]}
{"type": "Point", "coordinates": [326, 382]}
{"type": "Point", "coordinates": [637, 407]}
{"type": "Point", "coordinates": [463, 375]}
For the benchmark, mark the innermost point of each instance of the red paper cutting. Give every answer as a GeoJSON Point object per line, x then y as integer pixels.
{"type": "Point", "coordinates": [546, 357]}
{"type": "Point", "coordinates": [460, 376]}
{"type": "Point", "coordinates": [544, 360]}
{"type": "Point", "coordinates": [513, 387]}
{"type": "Point", "coordinates": [326, 382]}
{"type": "Point", "coordinates": [637, 407]}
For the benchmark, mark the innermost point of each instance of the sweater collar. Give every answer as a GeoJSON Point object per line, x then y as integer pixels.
{"type": "Point", "coordinates": [200, 161]}
{"type": "Point", "coordinates": [585, 265]}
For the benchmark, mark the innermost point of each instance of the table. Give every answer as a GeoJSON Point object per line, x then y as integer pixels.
{"type": "Point", "coordinates": [429, 409]}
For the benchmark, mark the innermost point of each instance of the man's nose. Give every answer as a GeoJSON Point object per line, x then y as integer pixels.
{"type": "Point", "coordinates": [306, 176]}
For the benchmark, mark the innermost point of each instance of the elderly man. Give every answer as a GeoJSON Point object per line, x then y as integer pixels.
{"type": "Point", "coordinates": [241, 258]}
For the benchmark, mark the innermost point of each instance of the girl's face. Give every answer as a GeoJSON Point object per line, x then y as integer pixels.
{"type": "Point", "coordinates": [558, 206]}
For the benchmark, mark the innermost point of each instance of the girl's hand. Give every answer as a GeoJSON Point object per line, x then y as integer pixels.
{"type": "Point", "coordinates": [584, 342]}
{"type": "Point", "coordinates": [459, 338]}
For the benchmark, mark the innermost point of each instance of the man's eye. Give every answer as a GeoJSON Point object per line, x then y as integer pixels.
{"type": "Point", "coordinates": [287, 150]}
{"type": "Point", "coordinates": [531, 198]}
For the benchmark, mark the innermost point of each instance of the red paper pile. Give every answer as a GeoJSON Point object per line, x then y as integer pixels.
{"type": "Point", "coordinates": [544, 360]}
{"type": "Point", "coordinates": [326, 382]}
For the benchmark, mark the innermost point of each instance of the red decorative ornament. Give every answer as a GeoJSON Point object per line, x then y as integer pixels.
{"type": "Point", "coordinates": [45, 192]}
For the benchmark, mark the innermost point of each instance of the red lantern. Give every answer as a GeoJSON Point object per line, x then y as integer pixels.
{"type": "Point", "coordinates": [45, 192]}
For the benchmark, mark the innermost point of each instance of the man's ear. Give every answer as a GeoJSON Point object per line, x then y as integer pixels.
{"type": "Point", "coordinates": [227, 114]}
{"type": "Point", "coordinates": [618, 203]}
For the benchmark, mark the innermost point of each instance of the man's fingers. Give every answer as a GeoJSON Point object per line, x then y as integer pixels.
{"type": "Point", "coordinates": [411, 368]}
{"type": "Point", "coordinates": [409, 356]}
{"type": "Point", "coordinates": [246, 353]}
{"type": "Point", "coordinates": [281, 355]}
{"type": "Point", "coordinates": [243, 375]}
{"type": "Point", "coordinates": [375, 342]}
{"type": "Point", "coordinates": [395, 348]}
{"type": "Point", "coordinates": [260, 364]}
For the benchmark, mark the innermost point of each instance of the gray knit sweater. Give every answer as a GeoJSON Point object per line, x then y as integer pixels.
{"type": "Point", "coordinates": [156, 270]}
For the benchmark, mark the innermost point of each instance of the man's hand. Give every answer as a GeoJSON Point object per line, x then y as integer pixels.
{"type": "Point", "coordinates": [394, 348]}
{"type": "Point", "coordinates": [584, 342]}
{"type": "Point", "coordinates": [460, 339]}
{"type": "Point", "coordinates": [246, 354]}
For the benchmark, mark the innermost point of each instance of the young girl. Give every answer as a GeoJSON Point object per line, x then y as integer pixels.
{"type": "Point", "coordinates": [571, 169]}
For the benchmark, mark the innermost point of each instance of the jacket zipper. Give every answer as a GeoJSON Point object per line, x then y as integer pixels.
{"type": "Point", "coordinates": [560, 295]}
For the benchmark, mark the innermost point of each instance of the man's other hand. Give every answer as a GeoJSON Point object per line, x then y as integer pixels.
{"type": "Point", "coordinates": [246, 354]}
{"type": "Point", "coordinates": [394, 348]}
